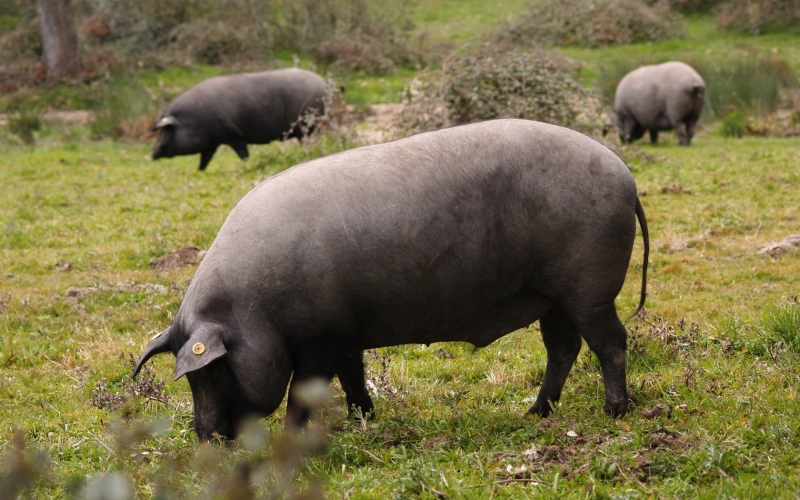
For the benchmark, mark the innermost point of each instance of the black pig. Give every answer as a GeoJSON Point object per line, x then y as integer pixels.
{"type": "Point", "coordinates": [237, 110]}
{"type": "Point", "coordinates": [464, 234]}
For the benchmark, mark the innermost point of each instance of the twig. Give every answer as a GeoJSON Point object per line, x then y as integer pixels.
{"type": "Point", "coordinates": [520, 480]}
{"type": "Point", "coordinates": [101, 443]}
{"type": "Point", "coordinates": [368, 453]}
{"type": "Point", "coordinates": [508, 481]}
{"type": "Point", "coordinates": [433, 490]}
{"type": "Point", "coordinates": [158, 400]}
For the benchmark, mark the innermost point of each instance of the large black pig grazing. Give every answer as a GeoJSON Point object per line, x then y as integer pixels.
{"type": "Point", "coordinates": [237, 110]}
{"type": "Point", "coordinates": [464, 234]}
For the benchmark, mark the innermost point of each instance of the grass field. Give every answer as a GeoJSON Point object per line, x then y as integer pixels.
{"type": "Point", "coordinates": [712, 365]}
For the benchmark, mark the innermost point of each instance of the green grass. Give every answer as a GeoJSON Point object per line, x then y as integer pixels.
{"type": "Point", "coordinates": [717, 352]}
{"type": "Point", "coordinates": [459, 21]}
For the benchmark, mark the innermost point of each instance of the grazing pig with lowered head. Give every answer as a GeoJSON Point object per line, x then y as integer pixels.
{"type": "Point", "coordinates": [237, 110]}
{"type": "Point", "coordinates": [463, 234]}
{"type": "Point", "coordinates": [658, 97]}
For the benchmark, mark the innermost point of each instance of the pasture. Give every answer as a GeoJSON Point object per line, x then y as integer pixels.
{"type": "Point", "coordinates": [712, 364]}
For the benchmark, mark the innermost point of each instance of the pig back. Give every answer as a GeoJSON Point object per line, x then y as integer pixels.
{"type": "Point", "coordinates": [426, 238]}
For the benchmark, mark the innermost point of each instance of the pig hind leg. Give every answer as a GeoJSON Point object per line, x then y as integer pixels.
{"type": "Point", "coordinates": [606, 336]}
{"type": "Point", "coordinates": [563, 343]}
{"type": "Point", "coordinates": [350, 370]}
{"type": "Point", "coordinates": [240, 146]}
{"type": "Point", "coordinates": [682, 131]}
{"type": "Point", "coordinates": [691, 125]}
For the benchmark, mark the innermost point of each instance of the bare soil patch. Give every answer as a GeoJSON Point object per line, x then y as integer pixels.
{"type": "Point", "coordinates": [186, 256]}
{"type": "Point", "coordinates": [66, 116]}
{"type": "Point", "coordinates": [379, 126]}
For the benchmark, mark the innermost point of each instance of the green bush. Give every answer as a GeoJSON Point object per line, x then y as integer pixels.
{"type": "Point", "coordinates": [24, 124]}
{"type": "Point", "coordinates": [733, 124]}
{"type": "Point", "coordinates": [690, 5]}
{"type": "Point", "coordinates": [759, 16]}
{"type": "Point", "coordinates": [124, 110]}
{"type": "Point", "coordinates": [594, 23]}
{"type": "Point", "coordinates": [496, 82]}
{"type": "Point", "coordinates": [366, 35]}
{"type": "Point", "coordinates": [214, 43]}
{"type": "Point", "coordinates": [137, 25]}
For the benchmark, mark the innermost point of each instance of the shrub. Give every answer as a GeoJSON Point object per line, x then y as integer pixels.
{"type": "Point", "coordinates": [733, 124]}
{"type": "Point", "coordinates": [353, 34]}
{"type": "Point", "coordinates": [690, 5]}
{"type": "Point", "coordinates": [20, 52]}
{"type": "Point", "coordinates": [123, 110]}
{"type": "Point", "coordinates": [497, 83]}
{"type": "Point", "coordinates": [136, 25]}
{"type": "Point", "coordinates": [142, 462]}
{"type": "Point", "coordinates": [24, 124]}
{"type": "Point", "coordinates": [594, 23]}
{"type": "Point", "coordinates": [759, 16]}
{"type": "Point", "coordinates": [213, 43]}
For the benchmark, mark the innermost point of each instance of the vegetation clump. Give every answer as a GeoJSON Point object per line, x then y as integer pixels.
{"type": "Point", "coordinates": [595, 23]}
{"type": "Point", "coordinates": [759, 16]}
{"type": "Point", "coordinates": [491, 83]}
{"type": "Point", "coordinates": [690, 5]}
{"type": "Point", "coordinates": [374, 37]}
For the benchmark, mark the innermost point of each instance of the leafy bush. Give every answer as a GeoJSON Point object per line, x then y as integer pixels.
{"type": "Point", "coordinates": [496, 83]}
{"type": "Point", "coordinates": [733, 124]}
{"type": "Point", "coordinates": [353, 34]}
{"type": "Point", "coordinates": [20, 51]}
{"type": "Point", "coordinates": [690, 5]}
{"type": "Point", "coordinates": [124, 109]}
{"type": "Point", "coordinates": [137, 25]}
{"type": "Point", "coordinates": [213, 42]}
{"type": "Point", "coordinates": [24, 124]}
{"type": "Point", "coordinates": [257, 465]}
{"type": "Point", "coordinates": [594, 23]}
{"type": "Point", "coordinates": [759, 16]}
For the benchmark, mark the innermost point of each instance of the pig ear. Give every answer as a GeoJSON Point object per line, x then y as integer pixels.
{"type": "Point", "coordinates": [158, 344]}
{"type": "Point", "coordinates": [165, 121]}
{"type": "Point", "coordinates": [204, 346]}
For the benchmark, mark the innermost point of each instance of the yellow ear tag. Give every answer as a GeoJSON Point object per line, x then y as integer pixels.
{"type": "Point", "coordinates": [198, 348]}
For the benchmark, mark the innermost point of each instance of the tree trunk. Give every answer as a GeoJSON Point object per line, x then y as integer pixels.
{"type": "Point", "coordinates": [59, 41]}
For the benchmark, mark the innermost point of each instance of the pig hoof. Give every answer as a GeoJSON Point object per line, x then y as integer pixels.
{"type": "Point", "coordinates": [542, 409]}
{"type": "Point", "coordinates": [616, 409]}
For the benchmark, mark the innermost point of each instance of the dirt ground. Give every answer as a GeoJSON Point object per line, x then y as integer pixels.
{"type": "Point", "coordinates": [377, 126]}
{"type": "Point", "coordinates": [70, 116]}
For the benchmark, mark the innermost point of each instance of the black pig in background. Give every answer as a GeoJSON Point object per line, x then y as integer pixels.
{"type": "Point", "coordinates": [237, 110]}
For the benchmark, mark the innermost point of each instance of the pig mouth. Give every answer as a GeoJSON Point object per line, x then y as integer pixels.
{"type": "Point", "coordinates": [161, 152]}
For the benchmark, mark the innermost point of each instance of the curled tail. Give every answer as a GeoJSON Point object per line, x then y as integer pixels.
{"type": "Point", "coordinates": [646, 237]}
